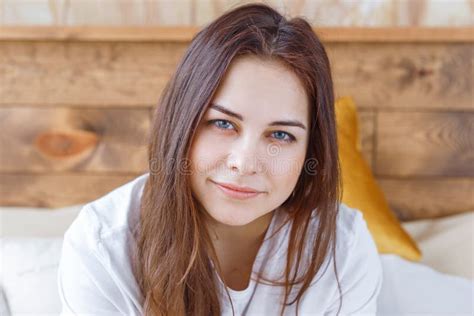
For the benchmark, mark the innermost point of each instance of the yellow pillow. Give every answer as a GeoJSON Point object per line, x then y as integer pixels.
{"type": "Point", "coordinates": [361, 191]}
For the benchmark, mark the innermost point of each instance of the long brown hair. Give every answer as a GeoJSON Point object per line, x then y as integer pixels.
{"type": "Point", "coordinates": [172, 262]}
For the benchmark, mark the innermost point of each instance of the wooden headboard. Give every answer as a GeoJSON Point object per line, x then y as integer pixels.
{"type": "Point", "coordinates": [75, 109]}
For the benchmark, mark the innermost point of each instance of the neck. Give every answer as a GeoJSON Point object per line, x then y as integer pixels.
{"type": "Point", "coordinates": [251, 233]}
{"type": "Point", "coordinates": [237, 246]}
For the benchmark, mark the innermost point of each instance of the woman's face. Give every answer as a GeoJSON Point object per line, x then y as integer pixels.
{"type": "Point", "coordinates": [254, 134]}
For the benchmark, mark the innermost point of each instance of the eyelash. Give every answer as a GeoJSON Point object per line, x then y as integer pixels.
{"type": "Point", "coordinates": [290, 140]}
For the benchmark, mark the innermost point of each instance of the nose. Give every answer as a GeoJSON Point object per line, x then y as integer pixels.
{"type": "Point", "coordinates": [243, 156]}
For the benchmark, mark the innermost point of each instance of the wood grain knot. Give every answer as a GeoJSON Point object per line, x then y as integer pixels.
{"type": "Point", "coordinates": [425, 72]}
{"type": "Point", "coordinates": [65, 143]}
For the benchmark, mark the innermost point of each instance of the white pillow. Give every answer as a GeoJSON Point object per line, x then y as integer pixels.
{"type": "Point", "coordinates": [36, 222]}
{"type": "Point", "coordinates": [30, 247]}
{"type": "Point", "coordinates": [28, 274]}
{"type": "Point", "coordinates": [411, 288]}
{"type": "Point", "coordinates": [446, 243]}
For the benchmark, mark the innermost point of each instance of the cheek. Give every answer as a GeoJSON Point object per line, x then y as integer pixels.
{"type": "Point", "coordinates": [285, 170]}
{"type": "Point", "coordinates": [286, 165]}
{"type": "Point", "coordinates": [205, 154]}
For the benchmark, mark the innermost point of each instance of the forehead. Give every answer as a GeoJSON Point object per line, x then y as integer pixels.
{"type": "Point", "coordinates": [262, 89]}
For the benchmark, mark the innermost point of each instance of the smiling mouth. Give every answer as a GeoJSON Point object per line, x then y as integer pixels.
{"type": "Point", "coordinates": [236, 194]}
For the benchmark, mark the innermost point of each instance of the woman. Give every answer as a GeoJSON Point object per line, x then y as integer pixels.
{"type": "Point", "coordinates": [241, 211]}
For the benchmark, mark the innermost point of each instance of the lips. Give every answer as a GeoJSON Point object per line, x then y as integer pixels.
{"type": "Point", "coordinates": [244, 189]}
{"type": "Point", "coordinates": [234, 192]}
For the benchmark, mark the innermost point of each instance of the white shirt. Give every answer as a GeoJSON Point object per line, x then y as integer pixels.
{"type": "Point", "coordinates": [95, 275]}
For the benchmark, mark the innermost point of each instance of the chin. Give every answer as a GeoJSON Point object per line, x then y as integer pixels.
{"type": "Point", "coordinates": [229, 220]}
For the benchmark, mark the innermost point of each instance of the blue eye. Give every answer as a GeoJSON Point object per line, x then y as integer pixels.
{"type": "Point", "coordinates": [290, 138]}
{"type": "Point", "coordinates": [226, 125]}
{"type": "Point", "coordinates": [220, 124]}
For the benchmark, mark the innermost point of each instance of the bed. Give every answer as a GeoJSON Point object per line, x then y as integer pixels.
{"type": "Point", "coordinates": [442, 284]}
{"type": "Point", "coordinates": [77, 104]}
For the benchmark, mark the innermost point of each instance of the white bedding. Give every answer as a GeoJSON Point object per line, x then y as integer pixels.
{"type": "Point", "coordinates": [416, 289]}
{"type": "Point", "coordinates": [446, 243]}
{"type": "Point", "coordinates": [442, 284]}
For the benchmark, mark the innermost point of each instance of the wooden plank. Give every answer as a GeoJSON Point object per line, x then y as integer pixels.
{"type": "Point", "coordinates": [105, 74]}
{"type": "Point", "coordinates": [186, 33]}
{"type": "Point", "coordinates": [404, 76]}
{"type": "Point", "coordinates": [397, 34]}
{"type": "Point", "coordinates": [134, 74]}
{"type": "Point", "coordinates": [420, 198]}
{"type": "Point", "coordinates": [366, 135]}
{"type": "Point", "coordinates": [57, 190]}
{"type": "Point", "coordinates": [99, 33]}
{"type": "Point", "coordinates": [59, 139]}
{"type": "Point", "coordinates": [425, 144]}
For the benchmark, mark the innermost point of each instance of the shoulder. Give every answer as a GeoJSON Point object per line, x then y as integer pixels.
{"type": "Point", "coordinates": [358, 258]}
{"type": "Point", "coordinates": [348, 224]}
{"type": "Point", "coordinates": [115, 211]}
{"type": "Point", "coordinates": [358, 263]}
{"type": "Point", "coordinates": [353, 241]}
{"type": "Point", "coordinates": [95, 272]}
{"type": "Point", "coordinates": [350, 221]}
{"type": "Point", "coordinates": [353, 238]}
{"type": "Point", "coordinates": [355, 249]}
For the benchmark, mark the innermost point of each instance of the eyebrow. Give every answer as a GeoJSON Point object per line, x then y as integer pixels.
{"type": "Point", "coordinates": [222, 109]}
